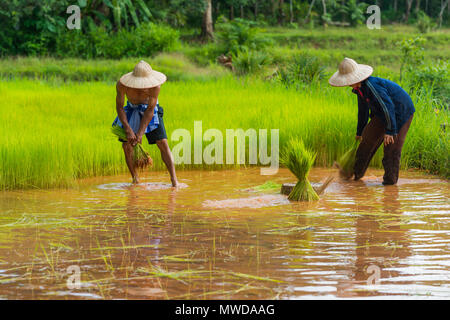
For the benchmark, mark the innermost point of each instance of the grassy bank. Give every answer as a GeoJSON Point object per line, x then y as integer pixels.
{"type": "Point", "coordinates": [197, 61]}
{"type": "Point", "coordinates": [332, 44]}
{"type": "Point", "coordinates": [53, 132]}
{"type": "Point", "coordinates": [175, 65]}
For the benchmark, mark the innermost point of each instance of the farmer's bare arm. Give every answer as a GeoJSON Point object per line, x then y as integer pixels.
{"type": "Point", "coordinates": [148, 114]}
{"type": "Point", "coordinates": [120, 100]}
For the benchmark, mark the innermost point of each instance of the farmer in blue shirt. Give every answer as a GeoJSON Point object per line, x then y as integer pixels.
{"type": "Point", "coordinates": [390, 109]}
{"type": "Point", "coordinates": [142, 115]}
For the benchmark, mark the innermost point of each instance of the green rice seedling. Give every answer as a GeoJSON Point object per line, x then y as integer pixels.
{"type": "Point", "coordinates": [141, 158]}
{"type": "Point", "coordinates": [299, 160]}
{"type": "Point", "coordinates": [346, 163]}
{"type": "Point", "coordinates": [267, 186]}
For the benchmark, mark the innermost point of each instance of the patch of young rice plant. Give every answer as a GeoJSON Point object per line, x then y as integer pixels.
{"type": "Point", "coordinates": [299, 160]}
{"type": "Point", "coordinates": [346, 163]}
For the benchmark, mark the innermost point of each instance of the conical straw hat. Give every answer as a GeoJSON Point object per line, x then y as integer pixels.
{"type": "Point", "coordinates": [350, 73]}
{"type": "Point", "coordinates": [143, 76]}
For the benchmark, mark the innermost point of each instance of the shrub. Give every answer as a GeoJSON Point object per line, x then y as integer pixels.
{"type": "Point", "coordinates": [238, 35]}
{"type": "Point", "coordinates": [302, 69]}
{"type": "Point", "coordinates": [157, 38]}
{"type": "Point", "coordinates": [248, 61]}
{"type": "Point", "coordinates": [73, 43]}
{"type": "Point", "coordinates": [424, 22]}
{"type": "Point", "coordinates": [146, 40]}
{"type": "Point", "coordinates": [412, 54]}
{"type": "Point", "coordinates": [354, 11]}
{"type": "Point", "coordinates": [432, 77]}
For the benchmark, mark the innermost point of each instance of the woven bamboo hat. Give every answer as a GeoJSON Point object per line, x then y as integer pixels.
{"type": "Point", "coordinates": [143, 76]}
{"type": "Point", "coordinates": [350, 73]}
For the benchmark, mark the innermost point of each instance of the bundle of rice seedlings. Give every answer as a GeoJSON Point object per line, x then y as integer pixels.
{"type": "Point", "coordinates": [299, 160]}
{"type": "Point", "coordinates": [346, 163]}
{"type": "Point", "coordinates": [141, 158]}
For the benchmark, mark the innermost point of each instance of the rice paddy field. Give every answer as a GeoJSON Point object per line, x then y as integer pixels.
{"type": "Point", "coordinates": [56, 132]}
{"type": "Point", "coordinates": [67, 204]}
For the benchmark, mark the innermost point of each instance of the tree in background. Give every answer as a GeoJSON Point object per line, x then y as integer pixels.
{"type": "Point", "coordinates": [207, 24]}
{"type": "Point", "coordinates": [32, 27]}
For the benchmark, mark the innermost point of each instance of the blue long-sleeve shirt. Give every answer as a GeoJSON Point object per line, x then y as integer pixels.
{"type": "Point", "coordinates": [386, 100]}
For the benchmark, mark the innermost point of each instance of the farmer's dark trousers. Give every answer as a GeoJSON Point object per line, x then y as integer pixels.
{"type": "Point", "coordinates": [372, 138]}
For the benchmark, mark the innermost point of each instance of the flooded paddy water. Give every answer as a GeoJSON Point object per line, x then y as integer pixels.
{"type": "Point", "coordinates": [217, 237]}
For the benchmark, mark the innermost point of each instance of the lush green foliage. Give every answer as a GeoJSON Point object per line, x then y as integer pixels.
{"type": "Point", "coordinates": [424, 22]}
{"type": "Point", "coordinates": [145, 40]}
{"type": "Point", "coordinates": [353, 11]}
{"type": "Point", "coordinates": [31, 27]}
{"type": "Point", "coordinates": [424, 75]}
{"type": "Point", "coordinates": [302, 70]}
{"type": "Point", "coordinates": [247, 61]}
{"type": "Point", "coordinates": [435, 76]}
{"type": "Point", "coordinates": [239, 35]}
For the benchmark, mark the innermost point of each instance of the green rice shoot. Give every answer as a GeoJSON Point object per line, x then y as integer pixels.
{"type": "Point", "coordinates": [299, 160]}
{"type": "Point", "coordinates": [141, 158]}
{"type": "Point", "coordinates": [346, 163]}
{"type": "Point", "coordinates": [267, 186]}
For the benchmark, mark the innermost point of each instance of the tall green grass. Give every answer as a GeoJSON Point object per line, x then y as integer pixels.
{"type": "Point", "coordinates": [176, 66]}
{"type": "Point", "coordinates": [54, 132]}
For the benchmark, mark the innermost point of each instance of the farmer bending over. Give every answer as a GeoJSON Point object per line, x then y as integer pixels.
{"type": "Point", "coordinates": [391, 111]}
{"type": "Point", "coordinates": [142, 115]}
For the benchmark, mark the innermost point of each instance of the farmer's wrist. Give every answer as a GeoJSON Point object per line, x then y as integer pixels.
{"type": "Point", "coordinates": [129, 130]}
{"type": "Point", "coordinates": [389, 132]}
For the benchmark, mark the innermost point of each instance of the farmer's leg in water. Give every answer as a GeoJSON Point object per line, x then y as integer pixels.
{"type": "Point", "coordinates": [371, 139]}
{"type": "Point", "coordinates": [128, 150]}
{"type": "Point", "coordinates": [392, 155]}
{"type": "Point", "coordinates": [166, 156]}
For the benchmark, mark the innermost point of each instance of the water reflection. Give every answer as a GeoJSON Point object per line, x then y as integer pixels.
{"type": "Point", "coordinates": [379, 237]}
{"type": "Point", "coordinates": [146, 232]}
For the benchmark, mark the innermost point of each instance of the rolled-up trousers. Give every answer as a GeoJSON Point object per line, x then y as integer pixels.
{"type": "Point", "coordinates": [372, 138]}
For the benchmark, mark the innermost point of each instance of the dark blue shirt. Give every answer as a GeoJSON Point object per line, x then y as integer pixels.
{"type": "Point", "coordinates": [386, 100]}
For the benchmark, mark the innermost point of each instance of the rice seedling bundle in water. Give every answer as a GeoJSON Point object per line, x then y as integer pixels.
{"type": "Point", "coordinates": [299, 160]}
{"type": "Point", "coordinates": [346, 163]}
{"type": "Point", "coordinates": [141, 158]}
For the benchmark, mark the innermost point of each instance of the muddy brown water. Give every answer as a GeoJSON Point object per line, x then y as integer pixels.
{"type": "Point", "coordinates": [217, 238]}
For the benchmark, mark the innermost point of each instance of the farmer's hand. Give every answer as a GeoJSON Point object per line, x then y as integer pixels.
{"type": "Point", "coordinates": [131, 137]}
{"type": "Point", "coordinates": [139, 138]}
{"type": "Point", "coordinates": [359, 138]}
{"type": "Point", "coordinates": [388, 139]}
